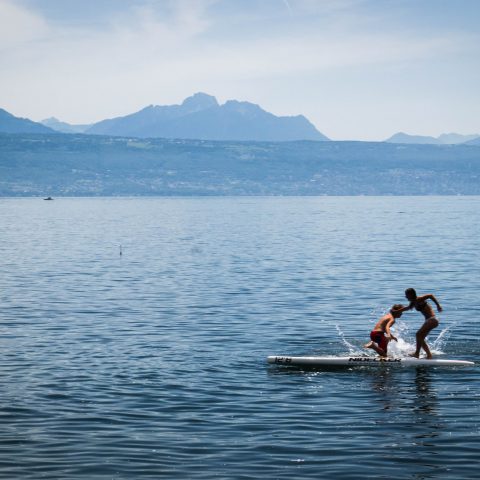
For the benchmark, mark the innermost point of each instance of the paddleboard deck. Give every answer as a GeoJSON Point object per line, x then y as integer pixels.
{"type": "Point", "coordinates": [365, 360]}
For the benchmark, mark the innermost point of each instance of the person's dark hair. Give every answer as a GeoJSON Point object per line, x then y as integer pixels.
{"type": "Point", "coordinates": [410, 293]}
{"type": "Point", "coordinates": [396, 307]}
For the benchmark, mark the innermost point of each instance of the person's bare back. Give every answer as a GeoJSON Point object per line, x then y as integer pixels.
{"type": "Point", "coordinates": [381, 334]}
{"type": "Point", "coordinates": [381, 325]}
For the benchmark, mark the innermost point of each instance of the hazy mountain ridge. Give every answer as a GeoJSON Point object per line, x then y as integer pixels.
{"type": "Point", "coordinates": [79, 165]}
{"type": "Point", "coordinates": [64, 127]}
{"type": "Point", "coordinates": [11, 124]}
{"type": "Point", "coordinates": [443, 139]}
{"type": "Point", "coordinates": [202, 117]}
{"type": "Point", "coordinates": [475, 141]}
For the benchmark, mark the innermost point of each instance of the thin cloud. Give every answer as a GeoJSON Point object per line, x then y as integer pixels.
{"type": "Point", "coordinates": [147, 55]}
{"type": "Point", "coordinates": [19, 26]}
{"type": "Point", "coordinates": [289, 8]}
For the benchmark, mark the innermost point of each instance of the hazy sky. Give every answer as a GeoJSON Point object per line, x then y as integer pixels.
{"type": "Point", "coordinates": [358, 69]}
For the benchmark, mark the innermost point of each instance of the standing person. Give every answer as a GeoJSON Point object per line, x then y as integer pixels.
{"type": "Point", "coordinates": [420, 304]}
{"type": "Point", "coordinates": [381, 335]}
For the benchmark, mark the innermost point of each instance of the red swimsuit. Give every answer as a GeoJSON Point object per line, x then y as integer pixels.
{"type": "Point", "coordinates": [380, 339]}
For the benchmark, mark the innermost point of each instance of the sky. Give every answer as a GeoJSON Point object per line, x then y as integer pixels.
{"type": "Point", "coordinates": [357, 69]}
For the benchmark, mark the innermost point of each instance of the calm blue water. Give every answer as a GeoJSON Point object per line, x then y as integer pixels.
{"type": "Point", "coordinates": [152, 364]}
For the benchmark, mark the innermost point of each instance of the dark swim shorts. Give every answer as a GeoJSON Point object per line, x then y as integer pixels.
{"type": "Point", "coordinates": [380, 339]}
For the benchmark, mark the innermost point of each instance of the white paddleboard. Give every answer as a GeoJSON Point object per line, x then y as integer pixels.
{"type": "Point", "coordinates": [365, 360]}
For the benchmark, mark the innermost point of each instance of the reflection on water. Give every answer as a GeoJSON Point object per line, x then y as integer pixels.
{"type": "Point", "coordinates": [411, 422]}
{"type": "Point", "coordinates": [425, 409]}
{"type": "Point", "coordinates": [395, 392]}
{"type": "Point", "coordinates": [383, 384]}
{"type": "Point", "coordinates": [426, 395]}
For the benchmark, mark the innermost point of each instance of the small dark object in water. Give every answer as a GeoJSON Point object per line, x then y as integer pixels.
{"type": "Point", "coordinates": [48, 198]}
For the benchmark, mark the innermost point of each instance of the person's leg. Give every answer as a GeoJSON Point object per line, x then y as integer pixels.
{"type": "Point", "coordinates": [427, 350]}
{"type": "Point", "coordinates": [420, 337]}
{"type": "Point", "coordinates": [375, 347]}
{"type": "Point", "coordinates": [379, 342]}
{"type": "Point", "coordinates": [422, 333]}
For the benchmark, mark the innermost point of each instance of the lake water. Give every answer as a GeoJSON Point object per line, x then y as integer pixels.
{"type": "Point", "coordinates": [151, 364]}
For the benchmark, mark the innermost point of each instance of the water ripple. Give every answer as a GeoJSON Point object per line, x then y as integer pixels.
{"type": "Point", "coordinates": [152, 364]}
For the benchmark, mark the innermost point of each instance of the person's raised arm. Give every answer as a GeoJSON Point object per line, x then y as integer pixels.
{"type": "Point", "coordinates": [434, 300]}
{"type": "Point", "coordinates": [404, 309]}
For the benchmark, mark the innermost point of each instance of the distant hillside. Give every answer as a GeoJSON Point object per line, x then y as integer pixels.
{"type": "Point", "coordinates": [456, 138]}
{"type": "Point", "coordinates": [444, 139]}
{"type": "Point", "coordinates": [412, 139]}
{"type": "Point", "coordinates": [475, 141]}
{"type": "Point", "coordinates": [11, 124]}
{"type": "Point", "coordinates": [64, 127]}
{"type": "Point", "coordinates": [202, 117]}
{"type": "Point", "coordinates": [79, 165]}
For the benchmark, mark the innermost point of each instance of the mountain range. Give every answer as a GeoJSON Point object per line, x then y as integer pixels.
{"type": "Point", "coordinates": [64, 127]}
{"type": "Point", "coordinates": [202, 117]}
{"type": "Point", "coordinates": [198, 117]}
{"type": "Point", "coordinates": [11, 124]}
{"type": "Point", "coordinates": [475, 142]}
{"type": "Point", "coordinates": [444, 139]}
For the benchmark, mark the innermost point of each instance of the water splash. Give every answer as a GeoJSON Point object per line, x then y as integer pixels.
{"type": "Point", "coordinates": [442, 339]}
{"type": "Point", "coordinates": [352, 349]}
{"type": "Point", "coordinates": [401, 348]}
{"type": "Point", "coordinates": [404, 346]}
